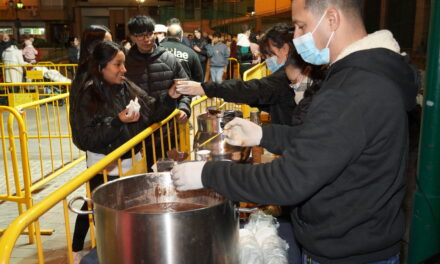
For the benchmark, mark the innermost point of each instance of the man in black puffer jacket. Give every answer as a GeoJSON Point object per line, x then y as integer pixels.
{"type": "Point", "coordinates": [152, 67]}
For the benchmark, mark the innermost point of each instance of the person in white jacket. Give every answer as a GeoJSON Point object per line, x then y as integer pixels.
{"type": "Point", "coordinates": [12, 56]}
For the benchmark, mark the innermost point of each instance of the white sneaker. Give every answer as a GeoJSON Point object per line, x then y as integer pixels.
{"type": "Point", "coordinates": [77, 256]}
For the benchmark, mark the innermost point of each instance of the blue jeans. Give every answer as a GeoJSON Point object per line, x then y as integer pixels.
{"type": "Point", "coordinates": [392, 260]}
{"type": "Point", "coordinates": [217, 74]}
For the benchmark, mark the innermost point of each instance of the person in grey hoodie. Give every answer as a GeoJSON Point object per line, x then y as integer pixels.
{"type": "Point", "coordinates": [219, 54]}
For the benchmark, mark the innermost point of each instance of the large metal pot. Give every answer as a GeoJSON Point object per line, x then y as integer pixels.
{"type": "Point", "coordinates": [211, 124]}
{"type": "Point", "coordinates": [206, 235]}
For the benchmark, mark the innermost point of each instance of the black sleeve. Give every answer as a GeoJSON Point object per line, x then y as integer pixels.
{"type": "Point", "coordinates": [268, 90]}
{"type": "Point", "coordinates": [92, 130]}
{"type": "Point", "coordinates": [163, 108]}
{"type": "Point", "coordinates": [151, 110]}
{"type": "Point", "coordinates": [312, 157]}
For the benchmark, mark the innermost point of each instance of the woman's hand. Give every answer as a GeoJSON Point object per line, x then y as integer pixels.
{"type": "Point", "coordinates": [172, 92]}
{"type": "Point", "coordinates": [190, 88]}
{"type": "Point", "coordinates": [125, 118]}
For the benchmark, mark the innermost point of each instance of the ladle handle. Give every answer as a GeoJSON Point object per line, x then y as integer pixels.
{"type": "Point", "coordinates": [80, 212]}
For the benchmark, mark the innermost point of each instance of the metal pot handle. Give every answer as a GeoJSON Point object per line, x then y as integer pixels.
{"type": "Point", "coordinates": [247, 210]}
{"type": "Point", "coordinates": [78, 211]}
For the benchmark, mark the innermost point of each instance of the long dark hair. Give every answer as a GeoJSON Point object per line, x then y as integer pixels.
{"type": "Point", "coordinates": [278, 35]}
{"type": "Point", "coordinates": [90, 38]}
{"type": "Point", "coordinates": [103, 53]}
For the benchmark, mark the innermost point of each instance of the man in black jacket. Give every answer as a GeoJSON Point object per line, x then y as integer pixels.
{"type": "Point", "coordinates": [186, 56]}
{"type": "Point", "coordinates": [343, 169]}
{"type": "Point", "coordinates": [198, 44]}
{"type": "Point", "coordinates": [151, 67]}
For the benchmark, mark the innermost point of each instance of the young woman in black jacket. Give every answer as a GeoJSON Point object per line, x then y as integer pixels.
{"type": "Point", "coordinates": [101, 122]}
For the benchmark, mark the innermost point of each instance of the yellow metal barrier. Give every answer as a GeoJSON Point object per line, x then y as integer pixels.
{"type": "Point", "coordinates": [233, 69]}
{"type": "Point", "coordinates": [67, 70]}
{"type": "Point", "coordinates": [257, 72]}
{"type": "Point", "coordinates": [22, 93]}
{"type": "Point", "coordinates": [42, 128]}
{"type": "Point", "coordinates": [181, 140]}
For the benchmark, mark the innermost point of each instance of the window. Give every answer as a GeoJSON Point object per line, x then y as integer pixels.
{"type": "Point", "coordinates": [32, 31]}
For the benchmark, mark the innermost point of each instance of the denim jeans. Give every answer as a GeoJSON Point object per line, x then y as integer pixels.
{"type": "Point", "coordinates": [392, 260]}
{"type": "Point", "coordinates": [217, 74]}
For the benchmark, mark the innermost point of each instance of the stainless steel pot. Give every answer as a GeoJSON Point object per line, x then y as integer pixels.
{"type": "Point", "coordinates": [207, 235]}
{"type": "Point", "coordinates": [211, 124]}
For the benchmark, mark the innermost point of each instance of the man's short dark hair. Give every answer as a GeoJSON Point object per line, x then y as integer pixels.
{"type": "Point", "coordinates": [217, 35]}
{"type": "Point", "coordinates": [140, 24]}
{"type": "Point", "coordinates": [319, 6]}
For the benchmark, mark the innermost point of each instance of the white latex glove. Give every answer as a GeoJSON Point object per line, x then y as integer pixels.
{"type": "Point", "coordinates": [242, 132]}
{"type": "Point", "coordinates": [133, 107]}
{"type": "Point", "coordinates": [188, 175]}
{"type": "Point", "coordinates": [190, 88]}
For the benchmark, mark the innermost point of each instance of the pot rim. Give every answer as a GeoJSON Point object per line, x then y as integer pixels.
{"type": "Point", "coordinates": [140, 213]}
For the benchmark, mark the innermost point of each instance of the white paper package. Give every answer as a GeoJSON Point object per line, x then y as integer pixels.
{"type": "Point", "coordinates": [133, 107]}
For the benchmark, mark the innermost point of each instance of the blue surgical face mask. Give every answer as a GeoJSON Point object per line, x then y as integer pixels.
{"type": "Point", "coordinates": [272, 64]}
{"type": "Point", "coordinates": [305, 46]}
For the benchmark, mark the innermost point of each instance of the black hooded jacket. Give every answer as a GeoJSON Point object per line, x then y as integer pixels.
{"type": "Point", "coordinates": [271, 94]}
{"type": "Point", "coordinates": [186, 56]}
{"type": "Point", "coordinates": [155, 73]}
{"type": "Point", "coordinates": [343, 169]}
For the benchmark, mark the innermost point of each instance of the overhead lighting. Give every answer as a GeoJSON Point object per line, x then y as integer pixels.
{"type": "Point", "coordinates": [19, 4]}
{"type": "Point", "coordinates": [140, 1]}
{"type": "Point", "coordinates": [11, 3]}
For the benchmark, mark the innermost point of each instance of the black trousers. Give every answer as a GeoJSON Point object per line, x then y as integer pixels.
{"type": "Point", "coordinates": [82, 221]}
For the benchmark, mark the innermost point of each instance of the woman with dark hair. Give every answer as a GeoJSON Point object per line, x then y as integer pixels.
{"type": "Point", "coordinates": [101, 122]}
{"type": "Point", "coordinates": [91, 36]}
{"type": "Point", "coordinates": [273, 93]}
{"type": "Point", "coordinates": [305, 80]}
{"type": "Point", "coordinates": [276, 46]}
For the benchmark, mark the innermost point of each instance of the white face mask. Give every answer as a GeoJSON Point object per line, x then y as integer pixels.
{"type": "Point", "coordinates": [295, 86]}
{"type": "Point", "coordinates": [306, 47]}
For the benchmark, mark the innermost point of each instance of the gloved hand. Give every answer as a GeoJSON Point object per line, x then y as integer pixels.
{"type": "Point", "coordinates": [242, 132]}
{"type": "Point", "coordinates": [190, 88]}
{"type": "Point", "coordinates": [188, 175]}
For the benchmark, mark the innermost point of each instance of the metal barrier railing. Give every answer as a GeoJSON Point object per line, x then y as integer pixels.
{"type": "Point", "coordinates": [67, 70]}
{"type": "Point", "coordinates": [46, 148]}
{"type": "Point", "coordinates": [20, 93]}
{"type": "Point", "coordinates": [233, 69]}
{"type": "Point", "coordinates": [257, 72]}
{"type": "Point", "coordinates": [182, 141]}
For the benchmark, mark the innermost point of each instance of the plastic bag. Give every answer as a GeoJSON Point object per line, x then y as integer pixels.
{"type": "Point", "coordinates": [260, 243]}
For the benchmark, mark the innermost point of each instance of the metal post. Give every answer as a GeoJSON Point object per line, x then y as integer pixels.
{"type": "Point", "coordinates": [425, 226]}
